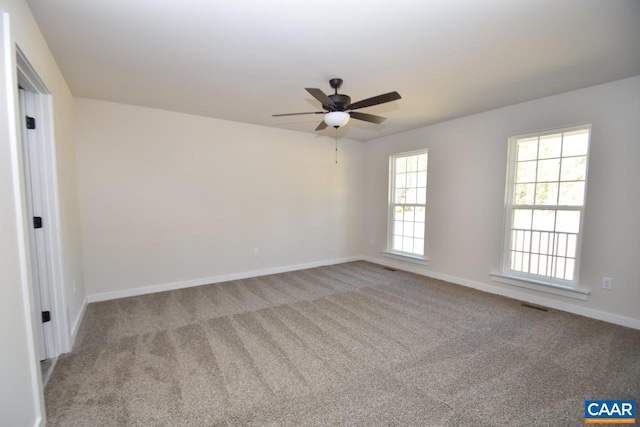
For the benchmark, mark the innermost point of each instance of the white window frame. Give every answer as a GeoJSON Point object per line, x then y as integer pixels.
{"type": "Point", "coordinates": [390, 252]}
{"type": "Point", "coordinates": [530, 280]}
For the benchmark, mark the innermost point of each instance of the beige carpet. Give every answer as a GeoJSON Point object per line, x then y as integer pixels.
{"type": "Point", "coordinates": [350, 344]}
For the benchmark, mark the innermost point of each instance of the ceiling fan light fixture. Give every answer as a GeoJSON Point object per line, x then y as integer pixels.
{"type": "Point", "coordinates": [336, 118]}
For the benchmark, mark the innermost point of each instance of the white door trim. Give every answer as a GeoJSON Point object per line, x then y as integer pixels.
{"type": "Point", "coordinates": [41, 102]}
{"type": "Point", "coordinates": [10, 93]}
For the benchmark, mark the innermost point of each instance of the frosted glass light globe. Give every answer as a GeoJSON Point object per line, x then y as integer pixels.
{"type": "Point", "coordinates": [336, 118]}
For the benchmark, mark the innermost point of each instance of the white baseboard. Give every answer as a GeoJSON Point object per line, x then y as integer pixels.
{"type": "Point", "coordinates": [511, 293]}
{"type": "Point", "coordinates": [215, 279]}
{"type": "Point", "coordinates": [77, 322]}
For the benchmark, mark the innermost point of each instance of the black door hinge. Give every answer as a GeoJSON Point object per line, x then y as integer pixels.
{"type": "Point", "coordinates": [31, 123]}
{"type": "Point", "coordinates": [46, 316]}
{"type": "Point", "coordinates": [37, 222]}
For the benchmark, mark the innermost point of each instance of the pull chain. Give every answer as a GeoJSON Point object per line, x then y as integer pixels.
{"type": "Point", "coordinates": [336, 145]}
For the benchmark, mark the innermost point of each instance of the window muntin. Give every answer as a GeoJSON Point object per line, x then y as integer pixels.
{"type": "Point", "coordinates": [545, 204]}
{"type": "Point", "coordinates": [407, 203]}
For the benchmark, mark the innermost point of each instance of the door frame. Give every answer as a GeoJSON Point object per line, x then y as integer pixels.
{"type": "Point", "coordinates": [42, 103]}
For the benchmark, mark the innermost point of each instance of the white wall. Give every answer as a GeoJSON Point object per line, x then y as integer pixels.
{"type": "Point", "coordinates": [21, 400]}
{"type": "Point", "coordinates": [466, 184]}
{"type": "Point", "coordinates": [171, 198]}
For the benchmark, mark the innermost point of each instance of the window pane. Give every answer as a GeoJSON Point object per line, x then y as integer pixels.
{"type": "Point", "coordinates": [422, 162]}
{"type": "Point", "coordinates": [401, 196]}
{"type": "Point", "coordinates": [569, 269]}
{"type": "Point", "coordinates": [397, 228]}
{"type": "Point", "coordinates": [544, 220]}
{"type": "Point", "coordinates": [412, 163]}
{"type": "Point", "coordinates": [542, 265]}
{"type": "Point", "coordinates": [412, 179]}
{"type": "Point", "coordinates": [572, 193]}
{"type": "Point", "coordinates": [548, 170]}
{"type": "Point", "coordinates": [422, 195]}
{"type": "Point", "coordinates": [527, 149]}
{"type": "Point", "coordinates": [407, 244]}
{"type": "Point", "coordinates": [401, 180]}
{"type": "Point", "coordinates": [533, 263]}
{"type": "Point", "coordinates": [526, 172]}
{"type": "Point", "coordinates": [422, 179]}
{"type": "Point", "coordinates": [401, 164]}
{"type": "Point", "coordinates": [518, 261]}
{"type": "Point", "coordinates": [575, 143]}
{"type": "Point", "coordinates": [524, 194]}
{"type": "Point", "coordinates": [409, 213]}
{"type": "Point", "coordinates": [547, 194]}
{"type": "Point", "coordinates": [571, 245]}
{"type": "Point", "coordinates": [408, 229]}
{"type": "Point", "coordinates": [574, 168]}
{"type": "Point", "coordinates": [418, 246]}
{"type": "Point", "coordinates": [526, 241]}
{"type": "Point", "coordinates": [561, 244]}
{"type": "Point", "coordinates": [419, 214]}
{"type": "Point", "coordinates": [398, 214]}
{"type": "Point", "coordinates": [522, 219]}
{"type": "Point", "coordinates": [545, 239]}
{"type": "Point", "coordinates": [559, 273]}
{"type": "Point", "coordinates": [568, 221]}
{"type": "Point", "coordinates": [418, 230]}
{"type": "Point", "coordinates": [550, 146]}
{"type": "Point", "coordinates": [397, 243]}
{"type": "Point", "coordinates": [411, 196]}
{"type": "Point", "coordinates": [535, 242]}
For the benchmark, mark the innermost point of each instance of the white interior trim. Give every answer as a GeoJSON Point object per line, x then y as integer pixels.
{"type": "Point", "coordinates": [29, 79]}
{"type": "Point", "coordinates": [8, 52]}
{"type": "Point", "coordinates": [214, 279]}
{"type": "Point", "coordinates": [513, 293]}
{"type": "Point", "coordinates": [570, 308]}
{"type": "Point", "coordinates": [405, 257]}
{"type": "Point", "coordinates": [550, 288]}
{"type": "Point", "coordinates": [78, 321]}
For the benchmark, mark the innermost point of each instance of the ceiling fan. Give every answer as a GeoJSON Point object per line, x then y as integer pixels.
{"type": "Point", "coordinates": [339, 108]}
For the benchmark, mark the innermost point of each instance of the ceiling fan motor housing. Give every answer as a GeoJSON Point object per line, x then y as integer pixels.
{"type": "Point", "coordinates": [341, 101]}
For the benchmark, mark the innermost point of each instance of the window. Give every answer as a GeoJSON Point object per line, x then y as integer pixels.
{"type": "Point", "coordinates": [407, 203]}
{"type": "Point", "coordinates": [546, 189]}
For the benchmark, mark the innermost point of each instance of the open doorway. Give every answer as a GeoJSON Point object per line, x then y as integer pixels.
{"type": "Point", "coordinates": [50, 318]}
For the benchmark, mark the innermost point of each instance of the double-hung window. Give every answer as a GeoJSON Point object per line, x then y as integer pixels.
{"type": "Point", "coordinates": [545, 201]}
{"type": "Point", "coordinates": [407, 204]}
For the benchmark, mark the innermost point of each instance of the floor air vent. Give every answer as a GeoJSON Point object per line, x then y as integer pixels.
{"type": "Point", "coordinates": [389, 268]}
{"type": "Point", "coordinates": [535, 307]}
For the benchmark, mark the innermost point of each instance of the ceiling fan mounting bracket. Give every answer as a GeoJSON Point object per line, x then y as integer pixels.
{"type": "Point", "coordinates": [335, 84]}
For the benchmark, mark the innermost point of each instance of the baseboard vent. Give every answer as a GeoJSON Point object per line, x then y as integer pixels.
{"type": "Point", "coordinates": [535, 307]}
{"type": "Point", "coordinates": [389, 268]}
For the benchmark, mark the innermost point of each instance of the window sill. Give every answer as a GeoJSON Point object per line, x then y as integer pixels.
{"type": "Point", "coordinates": [404, 257]}
{"type": "Point", "coordinates": [538, 285]}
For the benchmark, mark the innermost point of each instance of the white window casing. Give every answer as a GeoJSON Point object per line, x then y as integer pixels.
{"type": "Point", "coordinates": [407, 206]}
{"type": "Point", "coordinates": [544, 209]}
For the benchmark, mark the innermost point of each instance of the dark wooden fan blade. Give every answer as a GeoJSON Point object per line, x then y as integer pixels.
{"type": "Point", "coordinates": [380, 99]}
{"type": "Point", "coordinates": [367, 117]}
{"type": "Point", "coordinates": [320, 96]}
{"type": "Point", "coordinates": [322, 125]}
{"type": "Point", "coordinates": [297, 114]}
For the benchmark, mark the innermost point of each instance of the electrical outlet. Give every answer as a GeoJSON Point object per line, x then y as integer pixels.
{"type": "Point", "coordinates": [372, 242]}
{"type": "Point", "coordinates": [607, 283]}
{"type": "Point", "coordinates": [256, 252]}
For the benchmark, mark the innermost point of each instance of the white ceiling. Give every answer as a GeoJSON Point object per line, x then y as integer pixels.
{"type": "Point", "coordinates": [244, 60]}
